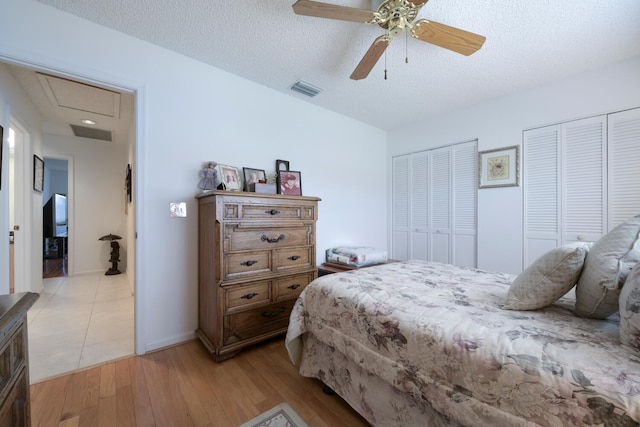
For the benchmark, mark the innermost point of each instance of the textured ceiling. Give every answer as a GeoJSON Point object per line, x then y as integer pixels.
{"type": "Point", "coordinates": [528, 43]}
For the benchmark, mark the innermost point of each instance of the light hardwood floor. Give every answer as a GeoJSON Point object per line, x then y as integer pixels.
{"type": "Point", "coordinates": [183, 386]}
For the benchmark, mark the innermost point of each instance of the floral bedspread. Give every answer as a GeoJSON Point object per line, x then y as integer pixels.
{"type": "Point", "coordinates": [438, 333]}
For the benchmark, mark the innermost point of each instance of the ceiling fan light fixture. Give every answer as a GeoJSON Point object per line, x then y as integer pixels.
{"type": "Point", "coordinates": [306, 88]}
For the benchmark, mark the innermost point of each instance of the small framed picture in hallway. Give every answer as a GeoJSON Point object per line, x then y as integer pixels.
{"type": "Point", "coordinates": [38, 174]}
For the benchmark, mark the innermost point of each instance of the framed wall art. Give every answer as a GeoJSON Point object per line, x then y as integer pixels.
{"type": "Point", "coordinates": [290, 183]}
{"type": "Point", "coordinates": [499, 167]}
{"type": "Point", "coordinates": [127, 182]}
{"type": "Point", "coordinates": [38, 174]}
{"type": "Point", "coordinates": [253, 176]}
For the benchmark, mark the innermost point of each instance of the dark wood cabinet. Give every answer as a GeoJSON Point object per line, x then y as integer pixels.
{"type": "Point", "coordinates": [15, 410]}
{"type": "Point", "coordinates": [256, 253]}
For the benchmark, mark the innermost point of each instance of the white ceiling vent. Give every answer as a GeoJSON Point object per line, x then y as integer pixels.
{"type": "Point", "coordinates": [306, 88]}
{"type": "Point", "coordinates": [92, 133]}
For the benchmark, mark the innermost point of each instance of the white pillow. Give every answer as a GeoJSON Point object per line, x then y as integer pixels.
{"type": "Point", "coordinates": [630, 309]}
{"type": "Point", "coordinates": [548, 278]}
{"type": "Point", "coordinates": [606, 268]}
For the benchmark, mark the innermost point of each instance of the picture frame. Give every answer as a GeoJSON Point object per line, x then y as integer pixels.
{"type": "Point", "coordinates": [228, 178]}
{"type": "Point", "coordinates": [253, 176]}
{"type": "Point", "coordinates": [499, 167]}
{"type": "Point", "coordinates": [289, 183]}
{"type": "Point", "coordinates": [282, 165]}
{"type": "Point", "coordinates": [127, 182]}
{"type": "Point", "coordinates": [38, 174]}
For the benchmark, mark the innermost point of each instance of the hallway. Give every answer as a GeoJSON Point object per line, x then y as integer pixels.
{"type": "Point", "coordinates": [78, 322]}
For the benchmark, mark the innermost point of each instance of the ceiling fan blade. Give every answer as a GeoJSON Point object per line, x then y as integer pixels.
{"type": "Point", "coordinates": [451, 38]}
{"type": "Point", "coordinates": [370, 58]}
{"type": "Point", "coordinates": [332, 11]}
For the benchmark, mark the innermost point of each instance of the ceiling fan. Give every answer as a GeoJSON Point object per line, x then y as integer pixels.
{"type": "Point", "coordinates": [395, 16]}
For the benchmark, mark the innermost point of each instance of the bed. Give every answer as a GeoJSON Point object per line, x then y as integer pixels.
{"type": "Point", "coordinates": [428, 344]}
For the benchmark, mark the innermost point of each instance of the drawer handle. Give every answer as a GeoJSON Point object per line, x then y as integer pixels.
{"type": "Point", "coordinates": [276, 240]}
{"type": "Point", "coordinates": [249, 296]}
{"type": "Point", "coordinates": [293, 257]}
{"type": "Point", "coordinates": [273, 314]}
{"type": "Point", "coordinates": [294, 287]}
{"type": "Point", "coordinates": [249, 263]}
{"type": "Point", "coordinates": [272, 212]}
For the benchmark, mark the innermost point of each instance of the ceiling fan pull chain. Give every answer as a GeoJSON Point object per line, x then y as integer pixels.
{"type": "Point", "coordinates": [385, 65]}
{"type": "Point", "coordinates": [406, 47]}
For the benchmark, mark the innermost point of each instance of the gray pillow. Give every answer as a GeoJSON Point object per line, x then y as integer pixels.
{"type": "Point", "coordinates": [630, 309]}
{"type": "Point", "coordinates": [548, 278]}
{"type": "Point", "coordinates": [605, 270]}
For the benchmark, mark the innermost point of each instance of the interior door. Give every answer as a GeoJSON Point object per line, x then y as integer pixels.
{"type": "Point", "coordinates": [16, 207]}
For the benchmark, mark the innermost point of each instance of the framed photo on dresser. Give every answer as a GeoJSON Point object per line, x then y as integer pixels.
{"type": "Point", "coordinates": [228, 178]}
{"type": "Point", "coordinates": [290, 183]}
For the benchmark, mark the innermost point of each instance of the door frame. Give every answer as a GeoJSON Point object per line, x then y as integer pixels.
{"type": "Point", "coordinates": [89, 75]}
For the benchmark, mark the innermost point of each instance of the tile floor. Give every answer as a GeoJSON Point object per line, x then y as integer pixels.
{"type": "Point", "coordinates": [78, 322]}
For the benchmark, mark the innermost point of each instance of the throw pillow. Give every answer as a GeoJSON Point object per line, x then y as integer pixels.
{"type": "Point", "coordinates": [630, 309]}
{"type": "Point", "coordinates": [606, 268]}
{"type": "Point", "coordinates": [548, 278]}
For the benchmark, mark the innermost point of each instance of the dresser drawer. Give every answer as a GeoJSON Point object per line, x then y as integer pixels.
{"type": "Point", "coordinates": [290, 287]}
{"type": "Point", "coordinates": [261, 238]}
{"type": "Point", "coordinates": [241, 297]}
{"type": "Point", "coordinates": [276, 212]}
{"type": "Point", "coordinates": [246, 263]}
{"type": "Point", "coordinates": [250, 323]}
{"type": "Point", "coordinates": [288, 258]}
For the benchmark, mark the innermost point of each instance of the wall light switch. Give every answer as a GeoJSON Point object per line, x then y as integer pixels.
{"type": "Point", "coordinates": [178, 210]}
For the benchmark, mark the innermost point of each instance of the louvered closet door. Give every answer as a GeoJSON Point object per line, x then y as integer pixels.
{"type": "Point", "coordinates": [434, 205]}
{"type": "Point", "coordinates": [400, 208]}
{"type": "Point", "coordinates": [541, 182]}
{"type": "Point", "coordinates": [419, 202]}
{"type": "Point", "coordinates": [624, 166]}
{"type": "Point", "coordinates": [440, 181]}
{"type": "Point", "coordinates": [464, 206]}
{"type": "Point", "coordinates": [583, 155]}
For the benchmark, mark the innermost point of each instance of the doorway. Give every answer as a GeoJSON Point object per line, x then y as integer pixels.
{"type": "Point", "coordinates": [55, 218]}
{"type": "Point", "coordinates": [100, 326]}
{"type": "Point", "coordinates": [18, 235]}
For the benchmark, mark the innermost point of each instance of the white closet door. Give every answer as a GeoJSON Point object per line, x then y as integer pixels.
{"type": "Point", "coordinates": [583, 180]}
{"type": "Point", "coordinates": [624, 165]}
{"type": "Point", "coordinates": [541, 182]}
{"type": "Point", "coordinates": [464, 207]}
{"type": "Point", "coordinates": [441, 205]}
{"type": "Point", "coordinates": [419, 201]}
{"type": "Point", "coordinates": [434, 205]}
{"type": "Point", "coordinates": [400, 208]}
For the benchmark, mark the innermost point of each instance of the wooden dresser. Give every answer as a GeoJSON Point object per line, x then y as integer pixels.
{"type": "Point", "coordinates": [15, 409]}
{"type": "Point", "coordinates": [256, 253]}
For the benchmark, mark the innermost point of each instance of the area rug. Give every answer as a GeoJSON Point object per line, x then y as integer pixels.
{"type": "Point", "coordinates": [282, 415]}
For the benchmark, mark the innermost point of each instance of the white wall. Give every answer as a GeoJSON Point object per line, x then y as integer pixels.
{"type": "Point", "coordinates": [15, 104]}
{"type": "Point", "coordinates": [500, 123]}
{"type": "Point", "coordinates": [189, 113]}
{"type": "Point", "coordinates": [98, 199]}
